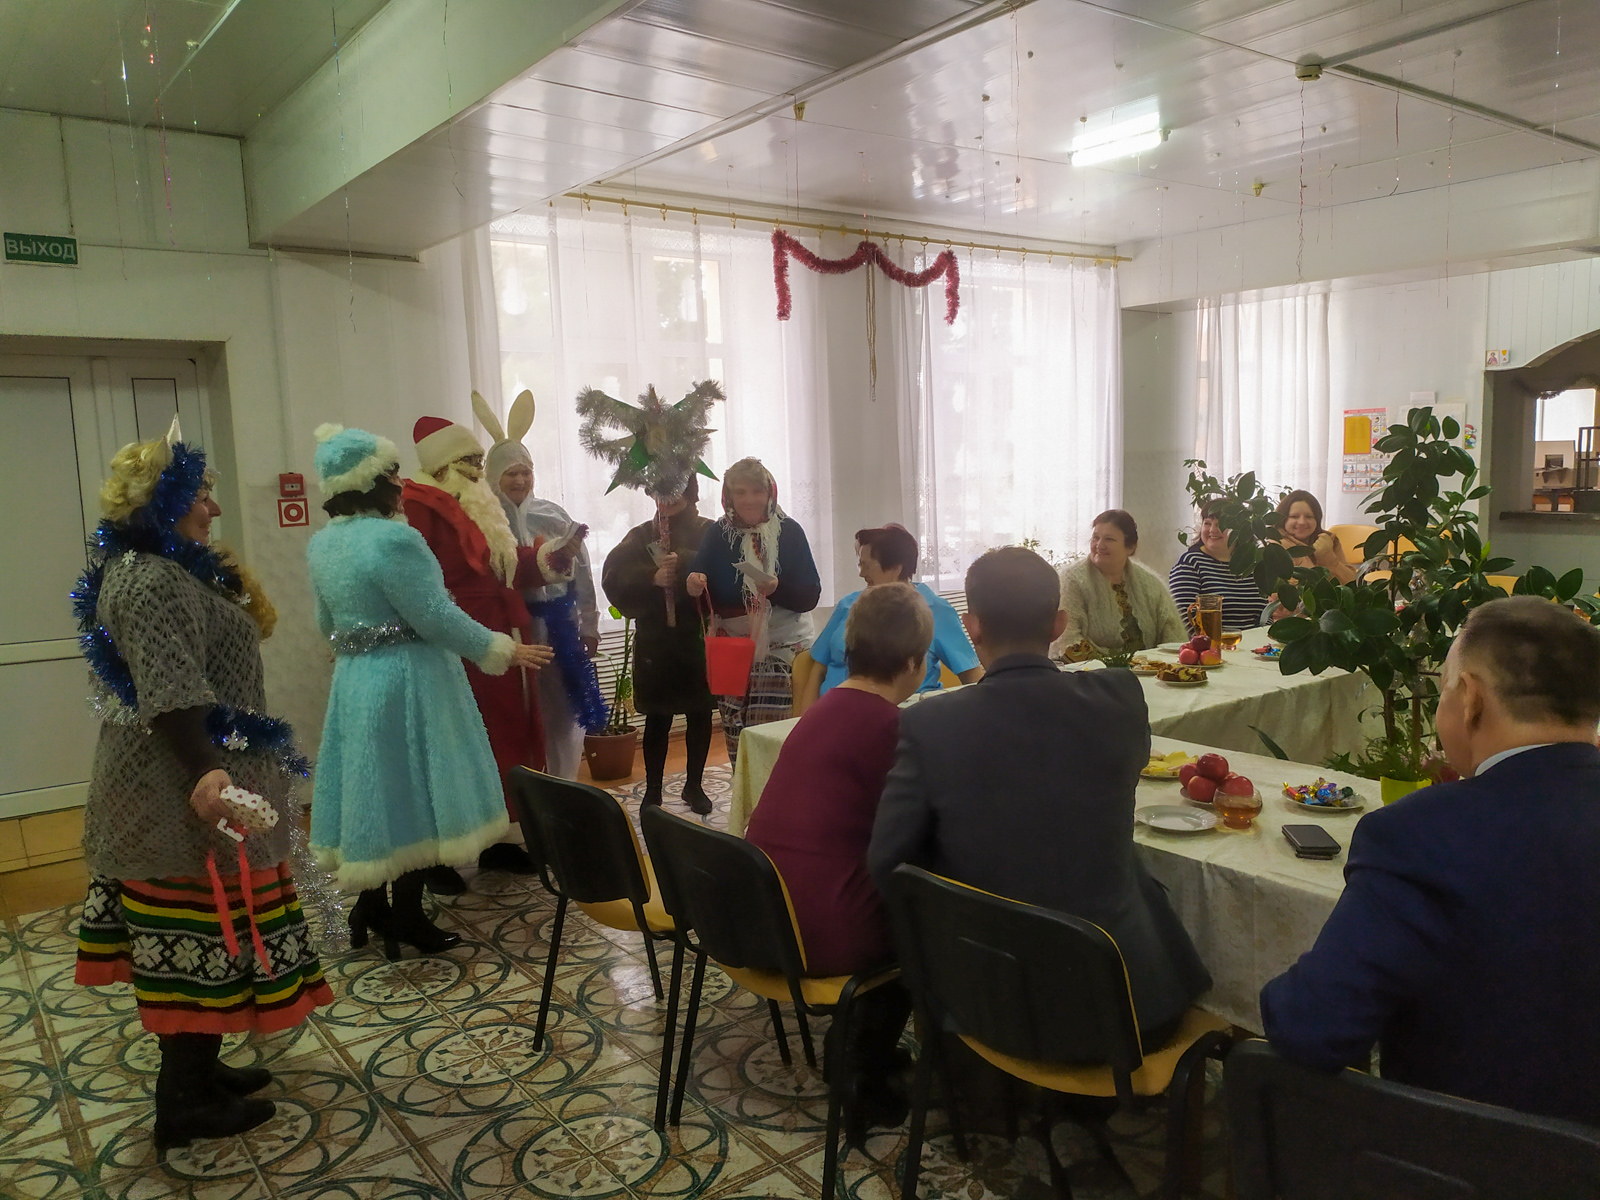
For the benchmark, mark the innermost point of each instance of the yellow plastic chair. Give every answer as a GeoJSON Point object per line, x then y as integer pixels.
{"type": "Point", "coordinates": [1352, 538]}
{"type": "Point", "coordinates": [947, 677]}
{"type": "Point", "coordinates": [804, 666]}
{"type": "Point", "coordinates": [1508, 582]}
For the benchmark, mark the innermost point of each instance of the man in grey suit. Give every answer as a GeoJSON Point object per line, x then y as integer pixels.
{"type": "Point", "coordinates": [1023, 785]}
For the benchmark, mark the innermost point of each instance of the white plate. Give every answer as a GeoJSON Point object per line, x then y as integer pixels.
{"type": "Point", "coordinates": [1172, 647]}
{"type": "Point", "coordinates": [1176, 818]}
{"type": "Point", "coordinates": [1329, 808]}
{"type": "Point", "coordinates": [1184, 682]}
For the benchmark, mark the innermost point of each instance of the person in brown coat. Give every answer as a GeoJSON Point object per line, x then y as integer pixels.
{"type": "Point", "coordinates": [669, 660]}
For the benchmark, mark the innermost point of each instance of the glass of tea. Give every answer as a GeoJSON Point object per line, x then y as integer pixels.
{"type": "Point", "coordinates": [1237, 812]}
{"type": "Point", "coordinates": [1231, 638]}
{"type": "Point", "coordinates": [1208, 616]}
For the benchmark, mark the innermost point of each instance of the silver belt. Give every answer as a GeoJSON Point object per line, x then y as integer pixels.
{"type": "Point", "coordinates": [362, 639]}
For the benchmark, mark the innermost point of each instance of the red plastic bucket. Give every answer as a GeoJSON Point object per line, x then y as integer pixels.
{"type": "Point", "coordinates": [728, 662]}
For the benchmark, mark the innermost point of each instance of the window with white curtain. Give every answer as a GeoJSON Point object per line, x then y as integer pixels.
{"type": "Point", "coordinates": [1262, 403]}
{"type": "Point", "coordinates": [1012, 428]}
{"type": "Point", "coordinates": [621, 302]}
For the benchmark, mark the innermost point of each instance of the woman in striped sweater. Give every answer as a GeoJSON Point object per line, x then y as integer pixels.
{"type": "Point", "coordinates": [1203, 569]}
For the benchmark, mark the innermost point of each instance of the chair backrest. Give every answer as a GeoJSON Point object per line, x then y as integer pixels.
{"type": "Point", "coordinates": [1353, 538]}
{"type": "Point", "coordinates": [1298, 1134]}
{"type": "Point", "coordinates": [727, 891]}
{"type": "Point", "coordinates": [800, 674]}
{"type": "Point", "coordinates": [583, 835]}
{"type": "Point", "coordinates": [1026, 981]}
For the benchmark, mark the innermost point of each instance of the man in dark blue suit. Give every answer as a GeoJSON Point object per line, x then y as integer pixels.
{"type": "Point", "coordinates": [1467, 941]}
{"type": "Point", "coordinates": [1022, 785]}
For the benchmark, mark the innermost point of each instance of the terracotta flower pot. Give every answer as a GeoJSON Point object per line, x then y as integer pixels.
{"type": "Point", "coordinates": [610, 755]}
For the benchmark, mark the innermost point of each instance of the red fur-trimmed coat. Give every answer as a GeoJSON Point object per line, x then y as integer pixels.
{"type": "Point", "coordinates": [509, 709]}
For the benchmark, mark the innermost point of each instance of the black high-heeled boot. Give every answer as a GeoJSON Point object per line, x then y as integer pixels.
{"type": "Point", "coordinates": [371, 912]}
{"type": "Point", "coordinates": [409, 924]}
{"type": "Point", "coordinates": [191, 1101]}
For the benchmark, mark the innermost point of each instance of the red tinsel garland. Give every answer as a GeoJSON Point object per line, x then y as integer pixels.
{"type": "Point", "coordinates": [783, 245]}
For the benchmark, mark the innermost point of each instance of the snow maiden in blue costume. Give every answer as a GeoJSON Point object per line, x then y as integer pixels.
{"type": "Point", "coordinates": [564, 614]}
{"type": "Point", "coordinates": [405, 778]}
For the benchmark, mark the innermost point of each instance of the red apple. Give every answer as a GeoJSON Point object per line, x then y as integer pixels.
{"type": "Point", "coordinates": [1187, 772]}
{"type": "Point", "coordinates": [1237, 785]}
{"type": "Point", "coordinates": [1213, 766]}
{"type": "Point", "coordinates": [1200, 642]}
{"type": "Point", "coordinates": [1189, 656]}
{"type": "Point", "coordinates": [1200, 788]}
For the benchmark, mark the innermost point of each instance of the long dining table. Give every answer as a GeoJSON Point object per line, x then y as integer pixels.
{"type": "Point", "coordinates": [1251, 906]}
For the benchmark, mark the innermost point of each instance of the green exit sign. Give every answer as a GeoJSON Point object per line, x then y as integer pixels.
{"type": "Point", "coordinates": [41, 248]}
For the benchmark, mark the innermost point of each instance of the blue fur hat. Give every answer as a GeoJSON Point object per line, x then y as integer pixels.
{"type": "Point", "coordinates": [351, 460]}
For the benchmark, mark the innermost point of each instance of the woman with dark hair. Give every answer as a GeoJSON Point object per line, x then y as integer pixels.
{"type": "Point", "coordinates": [1112, 602]}
{"type": "Point", "coordinates": [644, 579]}
{"type": "Point", "coordinates": [815, 822]}
{"type": "Point", "coordinates": [1202, 569]}
{"type": "Point", "coordinates": [889, 555]}
{"type": "Point", "coordinates": [757, 568]}
{"type": "Point", "coordinates": [405, 777]}
{"type": "Point", "coordinates": [1300, 524]}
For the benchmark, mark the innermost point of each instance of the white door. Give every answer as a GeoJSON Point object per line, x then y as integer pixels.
{"type": "Point", "coordinates": [63, 419]}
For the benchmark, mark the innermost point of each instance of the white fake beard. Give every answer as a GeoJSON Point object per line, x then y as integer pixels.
{"type": "Point", "coordinates": [483, 506]}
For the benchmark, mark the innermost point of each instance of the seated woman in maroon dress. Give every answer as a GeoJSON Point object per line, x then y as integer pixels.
{"type": "Point", "coordinates": [816, 813]}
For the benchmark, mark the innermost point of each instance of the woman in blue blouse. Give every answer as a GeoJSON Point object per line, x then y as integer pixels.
{"type": "Point", "coordinates": [889, 555]}
{"type": "Point", "coordinates": [756, 566]}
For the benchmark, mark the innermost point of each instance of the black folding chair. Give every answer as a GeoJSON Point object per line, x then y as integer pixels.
{"type": "Point", "coordinates": [1044, 997]}
{"type": "Point", "coordinates": [1298, 1134]}
{"type": "Point", "coordinates": [588, 854]}
{"type": "Point", "coordinates": [731, 906]}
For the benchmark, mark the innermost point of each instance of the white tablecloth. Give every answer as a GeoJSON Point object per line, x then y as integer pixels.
{"type": "Point", "coordinates": [1250, 905]}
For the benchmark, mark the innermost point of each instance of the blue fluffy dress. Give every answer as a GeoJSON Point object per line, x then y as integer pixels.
{"type": "Point", "coordinates": [405, 778]}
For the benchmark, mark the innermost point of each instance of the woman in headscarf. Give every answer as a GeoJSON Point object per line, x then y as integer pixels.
{"type": "Point", "coordinates": [757, 568]}
{"type": "Point", "coordinates": [206, 927]}
{"type": "Point", "coordinates": [564, 614]}
{"type": "Point", "coordinates": [406, 779]}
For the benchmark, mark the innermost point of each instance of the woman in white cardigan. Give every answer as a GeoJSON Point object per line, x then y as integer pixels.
{"type": "Point", "coordinates": [1111, 601]}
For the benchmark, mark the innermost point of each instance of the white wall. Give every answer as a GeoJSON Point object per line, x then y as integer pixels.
{"type": "Point", "coordinates": [291, 340]}
{"type": "Point", "coordinates": [1388, 341]}
{"type": "Point", "coordinates": [1159, 369]}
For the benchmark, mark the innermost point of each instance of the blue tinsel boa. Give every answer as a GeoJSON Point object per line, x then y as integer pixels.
{"type": "Point", "coordinates": [151, 531]}
{"type": "Point", "coordinates": [560, 617]}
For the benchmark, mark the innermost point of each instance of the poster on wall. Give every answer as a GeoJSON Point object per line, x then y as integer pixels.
{"type": "Point", "coordinates": [1363, 466]}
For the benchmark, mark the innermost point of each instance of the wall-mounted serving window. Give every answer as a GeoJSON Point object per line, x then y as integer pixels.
{"type": "Point", "coordinates": [1563, 448]}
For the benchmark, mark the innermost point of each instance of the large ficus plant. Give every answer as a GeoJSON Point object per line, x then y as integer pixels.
{"type": "Point", "coordinates": [1395, 628]}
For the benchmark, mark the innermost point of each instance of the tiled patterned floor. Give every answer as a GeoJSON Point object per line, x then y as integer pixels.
{"type": "Point", "coordinates": [421, 1083]}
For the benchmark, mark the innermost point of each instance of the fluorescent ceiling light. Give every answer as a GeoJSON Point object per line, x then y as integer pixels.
{"type": "Point", "coordinates": [1119, 132]}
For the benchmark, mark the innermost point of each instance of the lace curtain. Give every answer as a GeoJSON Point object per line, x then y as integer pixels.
{"type": "Point", "coordinates": [1010, 419]}
{"type": "Point", "coordinates": [1262, 400]}
{"type": "Point", "coordinates": [620, 302]}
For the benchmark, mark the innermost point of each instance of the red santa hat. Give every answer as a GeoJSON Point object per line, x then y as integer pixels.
{"type": "Point", "coordinates": [441, 442]}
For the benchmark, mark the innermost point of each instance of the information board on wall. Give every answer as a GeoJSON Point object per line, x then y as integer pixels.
{"type": "Point", "coordinates": [1363, 465]}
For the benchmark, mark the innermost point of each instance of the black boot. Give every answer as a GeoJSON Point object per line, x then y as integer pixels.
{"type": "Point", "coordinates": [697, 743]}
{"type": "Point", "coordinates": [409, 925]}
{"type": "Point", "coordinates": [191, 1102]}
{"type": "Point", "coordinates": [657, 730]}
{"type": "Point", "coordinates": [508, 857]}
{"type": "Point", "coordinates": [240, 1081]}
{"type": "Point", "coordinates": [444, 881]}
{"type": "Point", "coordinates": [371, 912]}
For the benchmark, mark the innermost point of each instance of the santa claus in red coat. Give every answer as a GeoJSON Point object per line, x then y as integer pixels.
{"type": "Point", "coordinates": [462, 521]}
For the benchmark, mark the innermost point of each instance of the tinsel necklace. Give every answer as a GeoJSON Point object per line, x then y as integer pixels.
{"type": "Point", "coordinates": [152, 530]}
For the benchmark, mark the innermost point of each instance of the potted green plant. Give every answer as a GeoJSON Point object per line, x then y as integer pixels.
{"type": "Point", "coordinates": [610, 752]}
{"type": "Point", "coordinates": [1395, 630]}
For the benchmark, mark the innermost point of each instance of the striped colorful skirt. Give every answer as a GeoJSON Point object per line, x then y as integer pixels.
{"type": "Point", "coordinates": [165, 936]}
{"type": "Point", "coordinates": [769, 698]}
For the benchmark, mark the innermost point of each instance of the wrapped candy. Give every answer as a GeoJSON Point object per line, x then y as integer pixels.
{"type": "Point", "coordinates": [1323, 793]}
